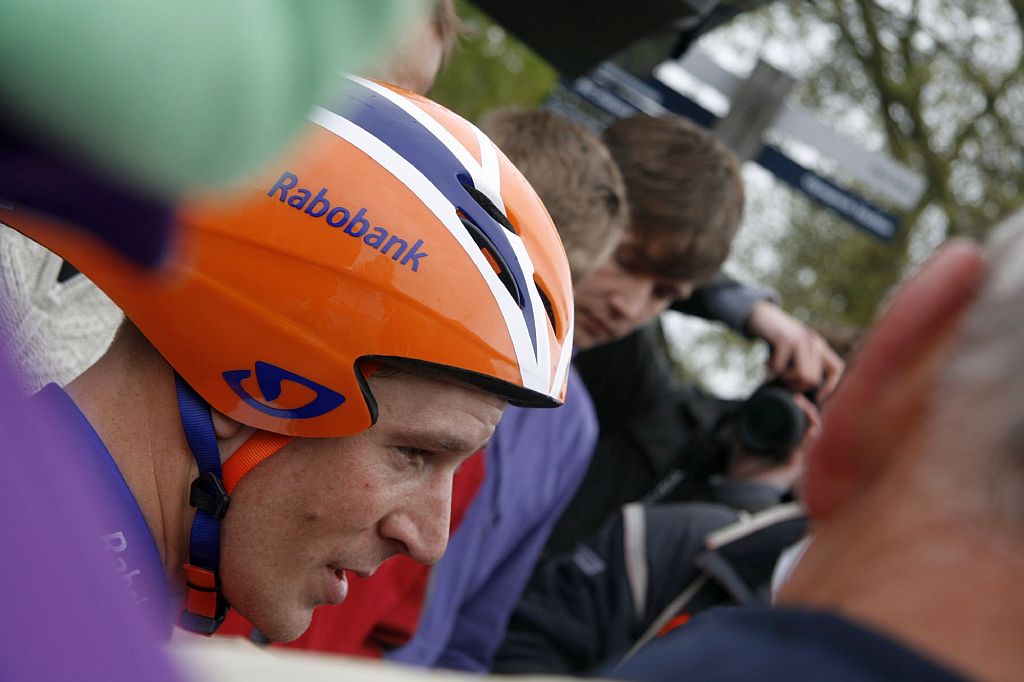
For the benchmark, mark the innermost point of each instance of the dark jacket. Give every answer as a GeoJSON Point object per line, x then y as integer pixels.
{"type": "Point", "coordinates": [648, 570]}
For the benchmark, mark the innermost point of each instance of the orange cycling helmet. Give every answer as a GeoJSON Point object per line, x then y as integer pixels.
{"type": "Point", "coordinates": [395, 231]}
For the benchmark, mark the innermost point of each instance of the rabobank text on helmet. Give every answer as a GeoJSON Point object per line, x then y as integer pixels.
{"type": "Point", "coordinates": [356, 225]}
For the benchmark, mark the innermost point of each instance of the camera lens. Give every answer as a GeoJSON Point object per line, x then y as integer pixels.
{"type": "Point", "coordinates": [771, 423]}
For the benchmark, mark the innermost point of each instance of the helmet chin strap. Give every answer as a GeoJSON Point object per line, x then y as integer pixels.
{"type": "Point", "coordinates": [205, 605]}
{"type": "Point", "coordinates": [255, 449]}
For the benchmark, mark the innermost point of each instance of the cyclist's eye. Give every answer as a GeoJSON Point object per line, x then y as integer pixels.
{"type": "Point", "coordinates": [414, 454]}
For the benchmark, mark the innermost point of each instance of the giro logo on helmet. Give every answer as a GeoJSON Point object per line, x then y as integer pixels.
{"type": "Point", "coordinates": [354, 225]}
{"type": "Point", "coordinates": [269, 378]}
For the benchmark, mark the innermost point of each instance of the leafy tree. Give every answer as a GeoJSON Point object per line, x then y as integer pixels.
{"type": "Point", "coordinates": [938, 85]}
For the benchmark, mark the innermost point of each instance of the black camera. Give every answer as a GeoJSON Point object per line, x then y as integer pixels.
{"type": "Point", "coordinates": [770, 423]}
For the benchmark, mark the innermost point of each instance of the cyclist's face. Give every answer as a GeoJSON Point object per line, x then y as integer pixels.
{"type": "Point", "coordinates": [321, 507]}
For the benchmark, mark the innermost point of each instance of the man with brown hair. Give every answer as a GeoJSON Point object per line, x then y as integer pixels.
{"type": "Point", "coordinates": [686, 198]}
{"type": "Point", "coordinates": [574, 175]}
{"type": "Point", "coordinates": [686, 201]}
{"type": "Point", "coordinates": [686, 195]}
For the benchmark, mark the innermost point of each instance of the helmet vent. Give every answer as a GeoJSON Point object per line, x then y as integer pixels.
{"type": "Point", "coordinates": [546, 300]}
{"type": "Point", "coordinates": [493, 256]}
{"type": "Point", "coordinates": [486, 204]}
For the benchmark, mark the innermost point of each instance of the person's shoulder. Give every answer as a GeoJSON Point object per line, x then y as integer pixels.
{"type": "Point", "coordinates": [548, 448]}
{"type": "Point", "coordinates": [578, 402]}
{"type": "Point", "coordinates": [777, 644]}
{"type": "Point", "coordinates": [571, 427]}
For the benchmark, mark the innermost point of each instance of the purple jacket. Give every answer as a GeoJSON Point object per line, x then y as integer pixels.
{"type": "Point", "coordinates": [65, 615]}
{"type": "Point", "coordinates": [535, 461]}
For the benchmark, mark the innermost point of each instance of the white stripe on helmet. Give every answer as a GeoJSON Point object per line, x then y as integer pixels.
{"type": "Point", "coordinates": [490, 169]}
{"type": "Point", "coordinates": [565, 359]}
{"type": "Point", "coordinates": [484, 172]}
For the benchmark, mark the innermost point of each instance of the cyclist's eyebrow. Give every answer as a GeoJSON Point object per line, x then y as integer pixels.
{"type": "Point", "coordinates": [441, 442]}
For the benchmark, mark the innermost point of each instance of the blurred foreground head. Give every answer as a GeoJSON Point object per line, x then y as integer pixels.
{"type": "Point", "coordinates": [112, 110]}
{"type": "Point", "coordinates": [917, 480]}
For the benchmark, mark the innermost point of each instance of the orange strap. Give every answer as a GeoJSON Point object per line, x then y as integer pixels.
{"type": "Point", "coordinates": [257, 448]}
{"type": "Point", "coordinates": [676, 622]}
{"type": "Point", "coordinates": [204, 606]}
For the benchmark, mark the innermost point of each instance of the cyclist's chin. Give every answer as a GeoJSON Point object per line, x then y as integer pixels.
{"type": "Point", "coordinates": [283, 623]}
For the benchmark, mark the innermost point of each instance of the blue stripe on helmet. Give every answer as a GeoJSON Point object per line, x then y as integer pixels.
{"type": "Point", "coordinates": [386, 121]}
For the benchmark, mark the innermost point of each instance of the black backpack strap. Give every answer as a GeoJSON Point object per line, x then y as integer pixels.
{"type": "Point", "coordinates": [735, 568]}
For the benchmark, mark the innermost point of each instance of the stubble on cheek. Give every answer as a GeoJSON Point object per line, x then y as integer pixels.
{"type": "Point", "coordinates": [261, 562]}
{"type": "Point", "coordinates": [268, 584]}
